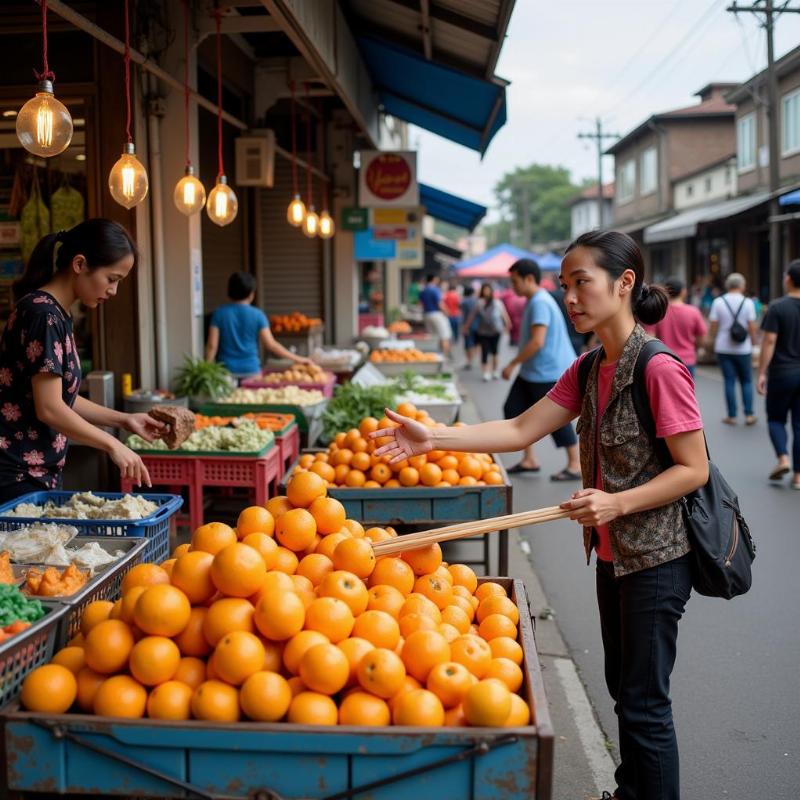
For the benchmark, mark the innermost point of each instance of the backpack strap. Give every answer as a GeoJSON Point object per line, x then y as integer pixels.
{"type": "Point", "coordinates": [736, 315]}
{"type": "Point", "coordinates": [585, 367]}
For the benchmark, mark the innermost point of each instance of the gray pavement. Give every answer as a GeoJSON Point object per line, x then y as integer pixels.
{"type": "Point", "coordinates": [735, 687]}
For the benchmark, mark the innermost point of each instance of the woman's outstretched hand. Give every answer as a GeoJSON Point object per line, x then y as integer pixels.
{"type": "Point", "coordinates": [410, 438]}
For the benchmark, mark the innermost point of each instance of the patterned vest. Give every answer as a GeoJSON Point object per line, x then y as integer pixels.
{"type": "Point", "coordinates": [627, 459]}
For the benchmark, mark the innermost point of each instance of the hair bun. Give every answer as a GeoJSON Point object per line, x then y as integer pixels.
{"type": "Point", "coordinates": [651, 304]}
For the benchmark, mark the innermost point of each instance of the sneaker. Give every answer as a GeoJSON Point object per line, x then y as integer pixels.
{"type": "Point", "coordinates": [496, 375]}
{"type": "Point", "coordinates": [486, 377]}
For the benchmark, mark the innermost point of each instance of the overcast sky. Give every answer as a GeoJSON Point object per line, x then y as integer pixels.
{"type": "Point", "coordinates": [622, 60]}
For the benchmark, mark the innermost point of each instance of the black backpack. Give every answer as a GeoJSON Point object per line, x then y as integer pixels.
{"type": "Point", "coordinates": [722, 547]}
{"type": "Point", "coordinates": [738, 332]}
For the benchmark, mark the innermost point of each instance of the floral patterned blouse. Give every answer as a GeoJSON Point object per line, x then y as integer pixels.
{"type": "Point", "coordinates": [37, 338]}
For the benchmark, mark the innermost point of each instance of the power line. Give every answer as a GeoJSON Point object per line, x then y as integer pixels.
{"type": "Point", "coordinates": [598, 135]}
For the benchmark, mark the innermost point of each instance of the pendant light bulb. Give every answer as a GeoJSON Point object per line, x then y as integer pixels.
{"type": "Point", "coordinates": [222, 205]}
{"type": "Point", "coordinates": [127, 180]}
{"type": "Point", "coordinates": [296, 212]}
{"type": "Point", "coordinates": [190, 194]}
{"type": "Point", "coordinates": [311, 223]}
{"type": "Point", "coordinates": [44, 126]}
{"type": "Point", "coordinates": [327, 227]}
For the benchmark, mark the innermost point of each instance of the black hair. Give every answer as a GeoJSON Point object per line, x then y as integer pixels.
{"type": "Point", "coordinates": [615, 252]}
{"type": "Point", "coordinates": [526, 266]}
{"type": "Point", "coordinates": [430, 278]}
{"type": "Point", "coordinates": [241, 285]}
{"type": "Point", "coordinates": [674, 286]}
{"type": "Point", "coordinates": [793, 271]}
{"type": "Point", "coordinates": [101, 242]}
{"type": "Point", "coordinates": [490, 300]}
{"type": "Point", "coordinates": [468, 291]}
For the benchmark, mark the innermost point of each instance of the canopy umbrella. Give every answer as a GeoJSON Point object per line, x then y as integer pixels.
{"type": "Point", "coordinates": [493, 263]}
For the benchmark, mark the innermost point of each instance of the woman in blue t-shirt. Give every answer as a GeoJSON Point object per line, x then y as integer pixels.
{"type": "Point", "coordinates": [237, 328]}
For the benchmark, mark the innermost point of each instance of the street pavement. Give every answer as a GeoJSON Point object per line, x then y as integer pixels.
{"type": "Point", "coordinates": [736, 690]}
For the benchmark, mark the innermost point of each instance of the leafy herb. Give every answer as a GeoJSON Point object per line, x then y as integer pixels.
{"type": "Point", "coordinates": [200, 378]}
{"type": "Point", "coordinates": [351, 403]}
{"type": "Point", "coordinates": [409, 381]}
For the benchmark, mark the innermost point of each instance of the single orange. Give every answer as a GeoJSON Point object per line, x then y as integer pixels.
{"type": "Point", "coordinates": [330, 616]}
{"type": "Point", "coordinates": [191, 671]}
{"type": "Point", "coordinates": [73, 658]}
{"type": "Point", "coordinates": [306, 460]}
{"type": "Point", "coordinates": [273, 655]}
{"type": "Point", "coordinates": [304, 488]}
{"type": "Point", "coordinates": [154, 660]}
{"type": "Point", "coordinates": [418, 462]}
{"type": "Point", "coordinates": [470, 467]}
{"type": "Point", "coordinates": [215, 701]}
{"type": "Point", "coordinates": [313, 708]}
{"type": "Point", "coordinates": [227, 615]}
{"type": "Point", "coordinates": [419, 708]}
{"type": "Point", "coordinates": [498, 605]}
{"type": "Point", "coordinates": [264, 545]}
{"type": "Point", "coordinates": [296, 529]}
{"type": "Point", "coordinates": [274, 580]}
{"type": "Point", "coordinates": [489, 588]}
{"type": "Point", "coordinates": [455, 718]}
{"type": "Point", "coordinates": [182, 549]}
{"type": "Point", "coordinates": [238, 570]}
{"type": "Point", "coordinates": [330, 542]}
{"type": "Point", "coordinates": [212, 537]}
{"type": "Point", "coordinates": [422, 651]}
{"type": "Point", "coordinates": [463, 576]}
{"type": "Point", "coordinates": [464, 605]}
{"type": "Point", "coordinates": [341, 471]}
{"type": "Point", "coordinates": [304, 589]}
{"type": "Point", "coordinates": [520, 713]}
{"type": "Point", "coordinates": [473, 652]}
{"type": "Point", "coordinates": [355, 528]}
{"type": "Point", "coordinates": [377, 627]}
{"type": "Point", "coordinates": [506, 647]}
{"type": "Point", "coordinates": [497, 625]}
{"type": "Point", "coordinates": [380, 473]}
{"type": "Point", "coordinates": [324, 470]}
{"type": "Point", "coordinates": [392, 483]}
{"type": "Point", "coordinates": [120, 696]}
{"type": "Point", "coordinates": [51, 688]}
{"type": "Point", "coordinates": [360, 462]}
{"type": "Point", "coordinates": [430, 474]}
{"type": "Point", "coordinates": [108, 646]}
{"type": "Point", "coordinates": [265, 696]}
{"type": "Point", "coordinates": [96, 611]}
{"type": "Point", "coordinates": [329, 515]}
{"type": "Point", "coordinates": [449, 632]}
{"type": "Point", "coordinates": [361, 708]}
{"type": "Point", "coordinates": [383, 597]}
{"type": "Point", "coordinates": [162, 611]}
{"type": "Point", "coordinates": [280, 615]}
{"type": "Point", "coordinates": [88, 682]}
{"type": "Point", "coordinates": [408, 476]}
{"type": "Point", "coordinates": [410, 623]}
{"type": "Point", "coordinates": [324, 668]}
{"type": "Point", "coordinates": [312, 548]}
{"type": "Point", "coordinates": [367, 426]}
{"type": "Point", "coordinates": [381, 672]}
{"type": "Point", "coordinates": [278, 505]}
{"type": "Point", "coordinates": [487, 703]}
{"type": "Point", "coordinates": [191, 641]}
{"type": "Point", "coordinates": [347, 587]}
{"type": "Point", "coordinates": [238, 655]}
{"type": "Point", "coordinates": [417, 603]}
{"type": "Point", "coordinates": [494, 478]}
{"type": "Point", "coordinates": [192, 575]}
{"type": "Point", "coordinates": [424, 560]}
{"type": "Point", "coordinates": [447, 461]}
{"type": "Point", "coordinates": [409, 684]}
{"type": "Point", "coordinates": [171, 700]}
{"type": "Point", "coordinates": [129, 601]}
{"type": "Point", "coordinates": [296, 647]}
{"type": "Point", "coordinates": [376, 535]}
{"type": "Point", "coordinates": [354, 649]}
{"type": "Point", "coordinates": [451, 476]}
{"type": "Point", "coordinates": [285, 561]}
{"type": "Point", "coordinates": [393, 571]}
{"type": "Point", "coordinates": [315, 567]}
{"type": "Point", "coordinates": [457, 617]}
{"type": "Point", "coordinates": [143, 575]}
{"type": "Point", "coordinates": [435, 589]}
{"type": "Point", "coordinates": [505, 670]}
{"type": "Point", "coordinates": [450, 682]}
{"type": "Point", "coordinates": [356, 556]}
{"type": "Point", "coordinates": [254, 519]}
{"type": "Point", "coordinates": [355, 479]}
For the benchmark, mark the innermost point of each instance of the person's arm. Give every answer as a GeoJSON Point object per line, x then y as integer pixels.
{"type": "Point", "coordinates": [53, 411]}
{"type": "Point", "coordinates": [277, 349]}
{"type": "Point", "coordinates": [212, 343]}
{"type": "Point", "coordinates": [593, 507]}
{"type": "Point", "coordinates": [764, 359]}
{"type": "Point", "coordinates": [532, 347]}
{"type": "Point", "coordinates": [141, 424]}
{"type": "Point", "coordinates": [505, 317]}
{"type": "Point", "coordinates": [752, 329]}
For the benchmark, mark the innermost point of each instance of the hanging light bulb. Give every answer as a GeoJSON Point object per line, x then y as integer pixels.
{"type": "Point", "coordinates": [190, 194]}
{"type": "Point", "coordinates": [311, 223]}
{"type": "Point", "coordinates": [327, 227]}
{"type": "Point", "coordinates": [127, 180]}
{"type": "Point", "coordinates": [44, 126]}
{"type": "Point", "coordinates": [222, 204]}
{"type": "Point", "coordinates": [296, 212]}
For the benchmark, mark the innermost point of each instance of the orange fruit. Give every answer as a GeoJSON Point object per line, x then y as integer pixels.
{"type": "Point", "coordinates": [505, 670]}
{"type": "Point", "coordinates": [264, 545]}
{"type": "Point", "coordinates": [520, 713]}
{"type": "Point", "coordinates": [51, 688]}
{"type": "Point", "coordinates": [120, 696]}
{"type": "Point", "coordinates": [76, 640]}
{"type": "Point", "coordinates": [380, 473]}
{"type": "Point", "coordinates": [227, 615]}
{"type": "Point", "coordinates": [330, 542]}
{"type": "Point", "coordinates": [168, 565]}
{"type": "Point", "coordinates": [324, 470]}
{"type": "Point", "coordinates": [392, 483]}
{"type": "Point", "coordinates": [377, 627]}
{"type": "Point", "coordinates": [463, 576]}
{"type": "Point", "coordinates": [191, 641]}
{"type": "Point", "coordinates": [238, 655]}
{"type": "Point", "coordinates": [324, 668]}
{"type": "Point", "coordinates": [419, 604]}
{"type": "Point", "coordinates": [393, 571]}
{"type": "Point", "coordinates": [487, 703]}
{"type": "Point", "coordinates": [191, 671]}
{"type": "Point", "coordinates": [454, 717]}
{"type": "Point", "coordinates": [296, 647]}
{"type": "Point", "coordinates": [381, 672]}
{"type": "Point", "coordinates": [347, 587]}
{"type": "Point", "coordinates": [470, 467]}
{"type": "Point", "coordinates": [360, 708]}
{"type": "Point", "coordinates": [254, 519]}
{"type": "Point", "coordinates": [129, 601]}
{"type": "Point", "coordinates": [409, 623]}
{"type": "Point", "coordinates": [451, 476]}
{"type": "Point", "coordinates": [343, 457]}
{"type": "Point", "coordinates": [154, 660]}
{"type": "Point", "coordinates": [280, 615]}
{"type": "Point", "coordinates": [355, 528]}
{"type": "Point", "coordinates": [473, 652]}
{"type": "Point", "coordinates": [367, 426]}
{"type": "Point", "coordinates": [457, 617]}
{"type": "Point", "coordinates": [447, 461]}
{"type": "Point", "coordinates": [408, 476]}
{"type": "Point", "coordinates": [312, 548]}
{"type": "Point", "coordinates": [108, 646]}
{"type": "Point", "coordinates": [422, 651]}
{"type": "Point", "coordinates": [216, 701]}
{"type": "Point", "coordinates": [304, 589]}
{"type": "Point", "coordinates": [330, 616]}
{"type": "Point", "coordinates": [494, 478]}
{"type": "Point", "coordinates": [171, 700]}
{"type": "Point", "coordinates": [498, 605]}
{"type": "Point", "coordinates": [181, 550]}
{"type": "Point", "coordinates": [306, 460]}
{"type": "Point", "coordinates": [355, 479]}
{"type": "Point", "coordinates": [313, 708]}
{"type": "Point", "coordinates": [354, 649]}
{"type": "Point", "coordinates": [304, 488]}
{"type": "Point", "coordinates": [315, 567]}
{"type": "Point", "coordinates": [278, 505]}
{"type": "Point", "coordinates": [409, 684]}
{"type": "Point", "coordinates": [296, 685]}
{"type": "Point", "coordinates": [73, 658]}
{"type": "Point", "coordinates": [489, 588]}
{"type": "Point", "coordinates": [143, 575]}
{"type": "Point", "coordinates": [329, 515]}
{"type": "Point", "coordinates": [361, 462]}
{"type": "Point", "coordinates": [285, 561]}
{"type": "Point", "coordinates": [265, 696]}
{"type": "Point", "coordinates": [424, 560]}
{"type": "Point", "coordinates": [238, 570]}
{"type": "Point", "coordinates": [192, 575]}
{"type": "Point", "coordinates": [296, 529]}
{"type": "Point", "coordinates": [419, 708]}
{"type": "Point", "coordinates": [506, 647]}
{"type": "Point", "coordinates": [273, 655]}
{"type": "Point", "coordinates": [356, 556]}
{"type": "Point", "coordinates": [96, 611]}
{"type": "Point", "coordinates": [449, 682]}
{"type": "Point", "coordinates": [435, 589]}
{"type": "Point", "coordinates": [497, 625]}
{"type": "Point", "coordinates": [430, 474]}
{"type": "Point", "coordinates": [385, 598]}
{"type": "Point", "coordinates": [341, 472]}
{"type": "Point", "coordinates": [88, 682]}
{"type": "Point", "coordinates": [212, 537]}
{"type": "Point", "coordinates": [464, 605]}
{"type": "Point", "coordinates": [162, 611]}
{"type": "Point", "coordinates": [467, 480]}
{"type": "Point", "coordinates": [274, 580]}
{"type": "Point", "coordinates": [449, 632]}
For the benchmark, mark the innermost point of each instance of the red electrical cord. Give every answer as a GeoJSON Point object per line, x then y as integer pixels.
{"type": "Point", "coordinates": [294, 142]}
{"type": "Point", "coordinates": [186, 78]}
{"type": "Point", "coordinates": [308, 150]}
{"type": "Point", "coordinates": [46, 74]}
{"type": "Point", "coordinates": [221, 166]}
{"type": "Point", "coordinates": [127, 60]}
{"type": "Point", "coordinates": [323, 182]}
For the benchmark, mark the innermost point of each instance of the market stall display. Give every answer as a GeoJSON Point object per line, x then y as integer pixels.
{"type": "Point", "coordinates": [297, 331]}
{"type": "Point", "coordinates": [83, 506]}
{"type": "Point", "coordinates": [304, 376]}
{"type": "Point", "coordinates": [393, 361]}
{"type": "Point", "coordinates": [237, 437]}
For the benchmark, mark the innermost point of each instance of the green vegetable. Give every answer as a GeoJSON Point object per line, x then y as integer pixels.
{"type": "Point", "coordinates": [200, 378]}
{"type": "Point", "coordinates": [351, 403]}
{"type": "Point", "coordinates": [15, 606]}
{"type": "Point", "coordinates": [242, 436]}
{"type": "Point", "coordinates": [409, 381]}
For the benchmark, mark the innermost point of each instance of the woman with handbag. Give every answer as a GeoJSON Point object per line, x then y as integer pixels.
{"type": "Point", "coordinates": [630, 507]}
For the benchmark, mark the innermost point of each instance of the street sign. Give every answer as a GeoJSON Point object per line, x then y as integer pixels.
{"type": "Point", "coordinates": [354, 219]}
{"type": "Point", "coordinates": [388, 179]}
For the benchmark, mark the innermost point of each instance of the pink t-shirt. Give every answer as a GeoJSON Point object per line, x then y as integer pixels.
{"type": "Point", "coordinates": [670, 389]}
{"type": "Point", "coordinates": [452, 303]}
{"type": "Point", "coordinates": [679, 329]}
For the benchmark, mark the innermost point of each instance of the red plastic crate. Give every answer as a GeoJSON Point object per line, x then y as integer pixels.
{"type": "Point", "coordinates": [289, 447]}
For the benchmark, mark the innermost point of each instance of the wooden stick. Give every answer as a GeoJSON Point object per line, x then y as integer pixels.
{"type": "Point", "coordinates": [415, 541]}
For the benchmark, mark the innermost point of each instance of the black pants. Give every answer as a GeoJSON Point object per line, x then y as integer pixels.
{"type": "Point", "coordinates": [488, 345]}
{"type": "Point", "coordinates": [783, 397]}
{"type": "Point", "coordinates": [639, 616]}
{"type": "Point", "coordinates": [13, 490]}
{"type": "Point", "coordinates": [524, 394]}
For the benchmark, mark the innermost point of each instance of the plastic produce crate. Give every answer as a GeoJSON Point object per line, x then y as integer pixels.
{"type": "Point", "coordinates": [35, 646]}
{"type": "Point", "coordinates": [75, 754]}
{"type": "Point", "coordinates": [259, 383]}
{"type": "Point", "coordinates": [394, 369]}
{"type": "Point", "coordinates": [209, 453]}
{"type": "Point", "coordinates": [154, 528]}
{"type": "Point", "coordinates": [303, 415]}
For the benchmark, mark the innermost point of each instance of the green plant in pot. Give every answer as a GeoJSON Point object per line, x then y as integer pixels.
{"type": "Point", "coordinates": [203, 381]}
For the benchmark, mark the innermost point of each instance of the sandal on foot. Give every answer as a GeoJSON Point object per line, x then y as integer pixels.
{"type": "Point", "coordinates": [520, 468]}
{"type": "Point", "coordinates": [729, 420]}
{"type": "Point", "coordinates": [565, 475]}
{"type": "Point", "coordinates": [751, 420]}
{"type": "Point", "coordinates": [779, 472]}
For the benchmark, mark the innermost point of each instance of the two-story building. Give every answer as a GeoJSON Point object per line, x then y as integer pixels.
{"type": "Point", "coordinates": [585, 212]}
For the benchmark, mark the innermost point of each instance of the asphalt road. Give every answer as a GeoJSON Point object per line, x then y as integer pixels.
{"type": "Point", "coordinates": [736, 684]}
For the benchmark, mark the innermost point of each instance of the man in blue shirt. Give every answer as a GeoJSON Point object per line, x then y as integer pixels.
{"type": "Point", "coordinates": [436, 320]}
{"type": "Point", "coordinates": [237, 328]}
{"type": "Point", "coordinates": [545, 352]}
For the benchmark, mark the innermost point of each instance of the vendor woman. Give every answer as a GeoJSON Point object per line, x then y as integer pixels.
{"type": "Point", "coordinates": [40, 371]}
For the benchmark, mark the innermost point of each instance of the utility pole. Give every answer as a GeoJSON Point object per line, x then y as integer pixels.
{"type": "Point", "coordinates": [770, 13]}
{"type": "Point", "coordinates": [598, 136]}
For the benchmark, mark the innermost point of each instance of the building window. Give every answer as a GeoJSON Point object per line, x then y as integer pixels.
{"type": "Point", "coordinates": [746, 142]}
{"type": "Point", "coordinates": [648, 177]}
{"type": "Point", "coordinates": [689, 189]}
{"type": "Point", "coordinates": [627, 181]}
{"type": "Point", "coordinates": [791, 122]}
{"type": "Point", "coordinates": [708, 185]}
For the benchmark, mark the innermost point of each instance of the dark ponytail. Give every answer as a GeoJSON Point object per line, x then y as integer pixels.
{"type": "Point", "coordinates": [100, 241]}
{"type": "Point", "coordinates": [615, 252]}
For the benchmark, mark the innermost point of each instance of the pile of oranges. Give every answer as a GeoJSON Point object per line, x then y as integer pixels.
{"type": "Point", "coordinates": [293, 323]}
{"type": "Point", "coordinates": [291, 617]}
{"type": "Point", "coordinates": [350, 461]}
{"type": "Point", "coordinates": [392, 356]}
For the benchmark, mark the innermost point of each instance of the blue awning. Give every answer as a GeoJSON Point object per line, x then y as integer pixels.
{"type": "Point", "coordinates": [450, 208]}
{"type": "Point", "coordinates": [443, 100]}
{"type": "Point", "coordinates": [791, 199]}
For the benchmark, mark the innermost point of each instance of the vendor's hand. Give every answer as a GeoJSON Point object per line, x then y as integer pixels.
{"type": "Point", "coordinates": [507, 372]}
{"type": "Point", "coordinates": [145, 426]}
{"type": "Point", "coordinates": [592, 507]}
{"type": "Point", "coordinates": [130, 465]}
{"type": "Point", "coordinates": [303, 360]}
{"type": "Point", "coordinates": [409, 438]}
{"type": "Point", "coordinates": [761, 385]}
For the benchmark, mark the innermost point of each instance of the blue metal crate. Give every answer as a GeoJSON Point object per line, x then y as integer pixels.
{"type": "Point", "coordinates": [154, 528]}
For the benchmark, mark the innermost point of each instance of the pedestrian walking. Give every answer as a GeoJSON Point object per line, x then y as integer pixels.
{"type": "Point", "coordinates": [683, 329]}
{"type": "Point", "coordinates": [779, 374]}
{"type": "Point", "coordinates": [492, 321]}
{"type": "Point", "coordinates": [452, 302]}
{"type": "Point", "coordinates": [515, 306]}
{"type": "Point", "coordinates": [545, 352]}
{"type": "Point", "coordinates": [630, 507]}
{"type": "Point", "coordinates": [468, 303]}
{"type": "Point", "coordinates": [434, 312]}
{"type": "Point", "coordinates": [733, 329]}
